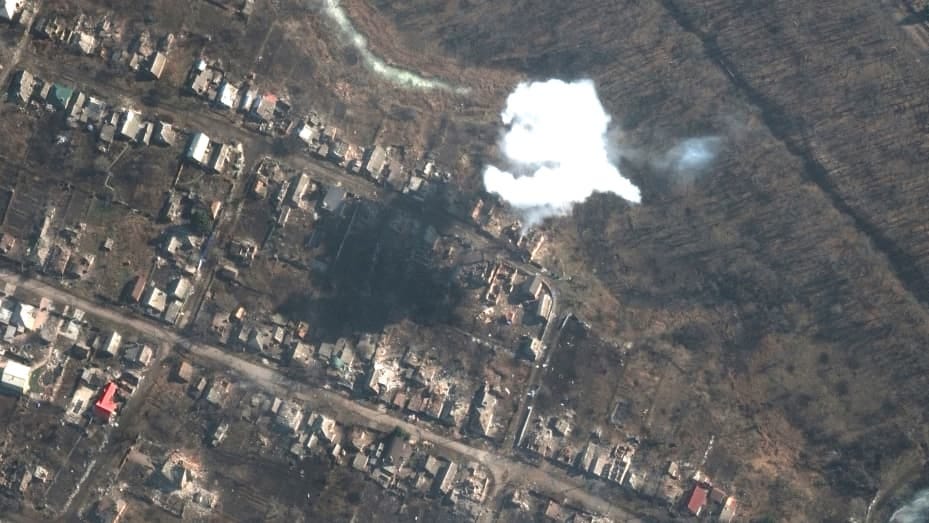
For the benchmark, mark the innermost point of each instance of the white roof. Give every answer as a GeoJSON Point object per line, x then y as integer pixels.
{"type": "Point", "coordinates": [247, 98]}
{"type": "Point", "coordinates": [16, 376]}
{"type": "Point", "coordinates": [227, 95]}
{"type": "Point", "coordinates": [180, 288]}
{"type": "Point", "coordinates": [26, 316]}
{"type": "Point", "coordinates": [113, 343]}
{"type": "Point", "coordinates": [157, 299]}
{"type": "Point", "coordinates": [198, 147]}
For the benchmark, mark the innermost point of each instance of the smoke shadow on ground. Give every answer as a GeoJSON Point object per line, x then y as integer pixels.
{"type": "Point", "coordinates": [381, 270]}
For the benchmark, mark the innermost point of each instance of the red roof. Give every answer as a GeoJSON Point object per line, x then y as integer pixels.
{"type": "Point", "coordinates": [105, 406]}
{"type": "Point", "coordinates": [697, 499]}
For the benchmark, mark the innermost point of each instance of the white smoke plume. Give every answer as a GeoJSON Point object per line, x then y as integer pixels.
{"type": "Point", "coordinates": [334, 11]}
{"type": "Point", "coordinates": [556, 150]}
{"type": "Point", "coordinates": [916, 511]}
{"type": "Point", "coordinates": [692, 154]}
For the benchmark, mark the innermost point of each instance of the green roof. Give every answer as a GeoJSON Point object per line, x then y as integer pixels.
{"type": "Point", "coordinates": [61, 95]}
{"type": "Point", "coordinates": [337, 363]}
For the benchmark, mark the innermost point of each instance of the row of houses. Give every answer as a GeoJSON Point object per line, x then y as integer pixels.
{"type": "Point", "coordinates": [88, 35]}
{"type": "Point", "coordinates": [125, 124]}
{"type": "Point", "coordinates": [207, 80]}
{"type": "Point", "coordinates": [389, 459]}
{"type": "Point", "coordinates": [214, 156]}
{"type": "Point", "coordinates": [92, 113]}
{"type": "Point", "coordinates": [273, 114]}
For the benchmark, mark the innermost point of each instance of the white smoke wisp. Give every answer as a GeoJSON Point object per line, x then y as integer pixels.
{"type": "Point", "coordinates": [334, 11]}
{"type": "Point", "coordinates": [916, 511]}
{"type": "Point", "coordinates": [693, 154]}
{"type": "Point", "coordinates": [556, 150]}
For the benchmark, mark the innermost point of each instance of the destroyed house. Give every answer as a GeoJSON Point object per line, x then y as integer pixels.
{"type": "Point", "coordinates": [198, 81]}
{"type": "Point", "coordinates": [375, 161]}
{"type": "Point", "coordinates": [333, 200]}
{"type": "Point", "coordinates": [263, 108]}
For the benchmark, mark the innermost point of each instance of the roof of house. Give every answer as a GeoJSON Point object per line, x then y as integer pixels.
{"type": "Point", "coordinates": [180, 288]}
{"type": "Point", "coordinates": [173, 311]}
{"type": "Point", "coordinates": [16, 376]}
{"type": "Point", "coordinates": [697, 499]}
{"type": "Point", "coordinates": [22, 85]}
{"type": "Point", "coordinates": [26, 316]}
{"type": "Point", "coordinates": [227, 95]}
{"type": "Point", "coordinates": [155, 299]}
{"type": "Point", "coordinates": [61, 95]}
{"type": "Point", "coordinates": [376, 161]}
{"type": "Point", "coordinates": [263, 107]}
{"type": "Point", "coordinates": [129, 124]}
{"type": "Point", "coordinates": [185, 371]}
{"type": "Point", "coordinates": [164, 133]}
{"type": "Point", "coordinates": [105, 405]}
{"type": "Point", "coordinates": [334, 198]}
{"type": "Point", "coordinates": [220, 157]}
{"type": "Point", "coordinates": [196, 151]}
{"type": "Point", "coordinates": [112, 343]}
{"type": "Point", "coordinates": [140, 354]}
{"type": "Point", "coordinates": [157, 65]}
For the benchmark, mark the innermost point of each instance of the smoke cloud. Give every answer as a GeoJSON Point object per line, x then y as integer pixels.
{"type": "Point", "coordinates": [556, 150]}
{"type": "Point", "coordinates": [692, 154]}
{"type": "Point", "coordinates": [334, 11]}
{"type": "Point", "coordinates": [916, 511]}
